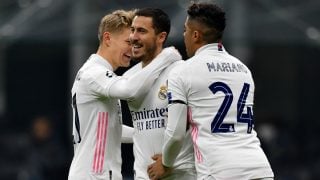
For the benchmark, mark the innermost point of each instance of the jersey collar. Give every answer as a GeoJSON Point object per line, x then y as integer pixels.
{"type": "Point", "coordinates": [213, 47]}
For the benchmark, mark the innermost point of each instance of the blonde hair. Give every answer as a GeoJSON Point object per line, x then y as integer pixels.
{"type": "Point", "coordinates": [115, 22]}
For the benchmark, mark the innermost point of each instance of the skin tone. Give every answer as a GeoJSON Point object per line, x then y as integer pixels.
{"type": "Point", "coordinates": [157, 170]}
{"type": "Point", "coordinates": [192, 36]}
{"type": "Point", "coordinates": [116, 48]}
{"type": "Point", "coordinates": [146, 44]}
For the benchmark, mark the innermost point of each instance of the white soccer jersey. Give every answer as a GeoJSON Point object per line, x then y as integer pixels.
{"type": "Point", "coordinates": [149, 116]}
{"type": "Point", "coordinates": [219, 91]}
{"type": "Point", "coordinates": [97, 115]}
{"type": "Point", "coordinates": [97, 124]}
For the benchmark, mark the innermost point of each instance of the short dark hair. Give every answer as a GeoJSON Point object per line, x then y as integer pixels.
{"type": "Point", "coordinates": [160, 19]}
{"type": "Point", "coordinates": [210, 15]}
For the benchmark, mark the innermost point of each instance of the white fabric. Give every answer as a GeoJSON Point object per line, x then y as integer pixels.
{"type": "Point", "coordinates": [127, 134]}
{"type": "Point", "coordinates": [97, 148]}
{"type": "Point", "coordinates": [127, 87]}
{"type": "Point", "coordinates": [175, 133]}
{"type": "Point", "coordinates": [221, 155]}
{"type": "Point", "coordinates": [149, 115]}
{"type": "Point", "coordinates": [97, 155]}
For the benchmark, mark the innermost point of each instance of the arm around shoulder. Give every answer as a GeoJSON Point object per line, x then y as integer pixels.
{"type": "Point", "coordinates": [140, 82]}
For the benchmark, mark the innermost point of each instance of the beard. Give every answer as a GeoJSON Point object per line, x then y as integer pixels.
{"type": "Point", "coordinates": [148, 54]}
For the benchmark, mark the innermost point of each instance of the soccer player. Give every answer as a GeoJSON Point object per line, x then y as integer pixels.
{"type": "Point", "coordinates": [149, 31]}
{"type": "Point", "coordinates": [217, 91]}
{"type": "Point", "coordinates": [95, 92]}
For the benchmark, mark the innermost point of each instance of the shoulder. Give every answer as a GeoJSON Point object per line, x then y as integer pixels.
{"type": "Point", "coordinates": [175, 65]}
{"type": "Point", "coordinates": [178, 69]}
{"type": "Point", "coordinates": [185, 65]}
{"type": "Point", "coordinates": [133, 69]}
{"type": "Point", "coordinates": [93, 72]}
{"type": "Point", "coordinates": [170, 68]}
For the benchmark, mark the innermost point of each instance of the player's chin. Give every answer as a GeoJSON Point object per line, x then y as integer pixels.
{"type": "Point", "coordinates": [137, 56]}
{"type": "Point", "coordinates": [126, 61]}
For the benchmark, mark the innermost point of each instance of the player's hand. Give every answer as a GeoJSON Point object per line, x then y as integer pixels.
{"type": "Point", "coordinates": [156, 170]}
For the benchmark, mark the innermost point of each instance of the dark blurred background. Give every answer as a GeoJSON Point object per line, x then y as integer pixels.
{"type": "Point", "coordinates": [44, 42]}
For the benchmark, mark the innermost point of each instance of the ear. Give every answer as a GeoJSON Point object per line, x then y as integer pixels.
{"type": "Point", "coordinates": [196, 36]}
{"type": "Point", "coordinates": [107, 38]}
{"type": "Point", "coordinates": [162, 36]}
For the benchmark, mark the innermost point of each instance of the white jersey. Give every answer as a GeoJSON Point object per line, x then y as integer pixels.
{"type": "Point", "coordinates": [219, 91]}
{"type": "Point", "coordinates": [96, 124]}
{"type": "Point", "coordinates": [97, 115]}
{"type": "Point", "coordinates": [149, 116]}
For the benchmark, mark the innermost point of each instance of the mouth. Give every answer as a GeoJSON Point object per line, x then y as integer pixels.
{"type": "Point", "coordinates": [127, 56]}
{"type": "Point", "coordinates": [136, 46]}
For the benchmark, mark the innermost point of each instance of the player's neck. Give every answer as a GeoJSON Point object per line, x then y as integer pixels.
{"type": "Point", "coordinates": [148, 59]}
{"type": "Point", "coordinates": [106, 56]}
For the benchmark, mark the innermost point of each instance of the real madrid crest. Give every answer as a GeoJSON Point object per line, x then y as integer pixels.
{"type": "Point", "coordinates": [163, 92]}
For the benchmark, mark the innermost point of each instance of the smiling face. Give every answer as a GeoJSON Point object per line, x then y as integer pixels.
{"type": "Point", "coordinates": [146, 44]}
{"type": "Point", "coordinates": [120, 49]}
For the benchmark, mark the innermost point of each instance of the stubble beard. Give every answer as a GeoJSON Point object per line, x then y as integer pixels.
{"type": "Point", "coordinates": [148, 55]}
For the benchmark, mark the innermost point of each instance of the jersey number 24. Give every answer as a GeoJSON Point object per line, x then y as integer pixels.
{"type": "Point", "coordinates": [217, 125]}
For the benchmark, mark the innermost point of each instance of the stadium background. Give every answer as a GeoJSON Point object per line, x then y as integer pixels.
{"type": "Point", "coordinates": [44, 42]}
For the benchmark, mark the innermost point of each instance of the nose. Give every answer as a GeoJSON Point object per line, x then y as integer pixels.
{"type": "Point", "coordinates": [133, 36]}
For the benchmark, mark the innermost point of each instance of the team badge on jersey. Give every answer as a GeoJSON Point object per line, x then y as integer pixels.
{"type": "Point", "coordinates": [163, 92]}
{"type": "Point", "coordinates": [109, 74]}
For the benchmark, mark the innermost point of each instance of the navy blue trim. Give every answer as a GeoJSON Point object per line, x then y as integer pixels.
{"type": "Point", "coordinates": [177, 102]}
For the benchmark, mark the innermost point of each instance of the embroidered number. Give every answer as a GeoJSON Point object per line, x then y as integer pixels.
{"type": "Point", "coordinates": [248, 117]}
{"type": "Point", "coordinates": [217, 125]}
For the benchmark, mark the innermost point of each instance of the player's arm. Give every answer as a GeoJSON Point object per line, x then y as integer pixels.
{"type": "Point", "coordinates": [177, 116]}
{"type": "Point", "coordinates": [127, 134]}
{"type": "Point", "coordinates": [176, 127]}
{"type": "Point", "coordinates": [140, 82]}
{"type": "Point", "coordinates": [173, 138]}
{"type": "Point", "coordinates": [174, 133]}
